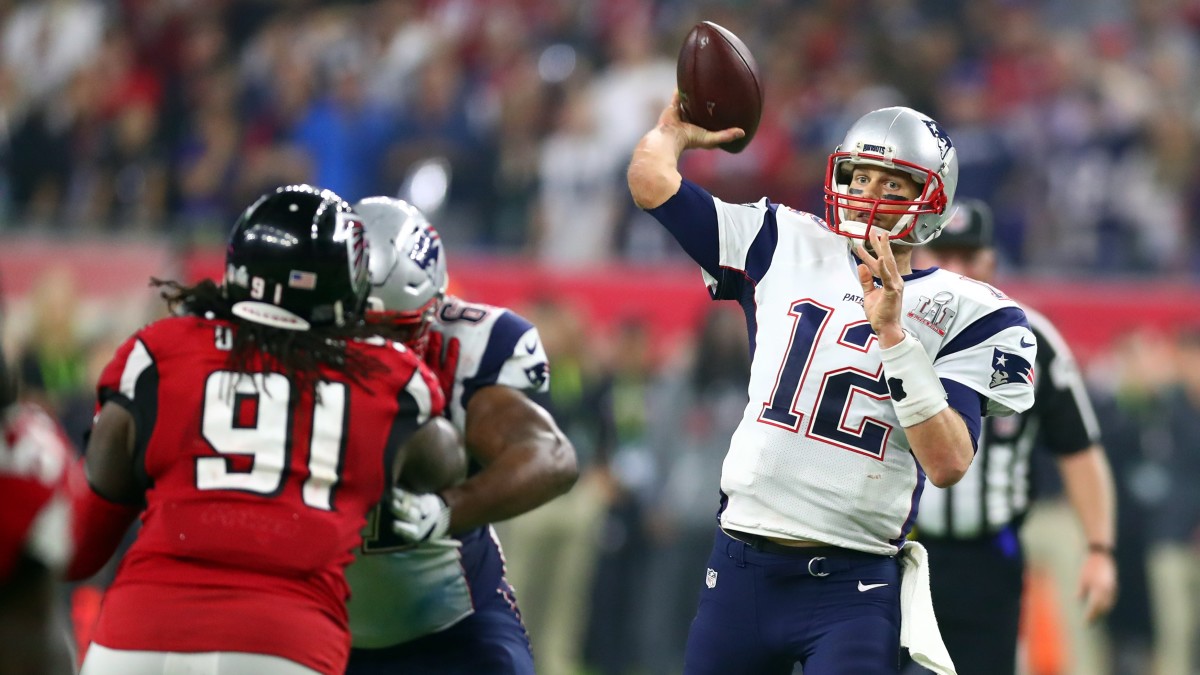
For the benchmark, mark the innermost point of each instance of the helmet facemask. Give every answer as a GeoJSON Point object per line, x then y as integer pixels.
{"type": "Point", "coordinates": [840, 205]}
{"type": "Point", "coordinates": [899, 139]}
{"type": "Point", "coordinates": [410, 327]}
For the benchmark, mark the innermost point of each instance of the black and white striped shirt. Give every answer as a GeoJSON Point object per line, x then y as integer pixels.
{"type": "Point", "coordinates": [996, 490]}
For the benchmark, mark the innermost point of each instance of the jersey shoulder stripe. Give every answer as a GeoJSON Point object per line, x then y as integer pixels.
{"type": "Point", "coordinates": [983, 329]}
{"type": "Point", "coordinates": [513, 342]}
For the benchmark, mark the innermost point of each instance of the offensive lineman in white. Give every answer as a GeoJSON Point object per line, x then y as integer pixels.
{"type": "Point", "coordinates": [867, 377]}
{"type": "Point", "coordinates": [428, 591]}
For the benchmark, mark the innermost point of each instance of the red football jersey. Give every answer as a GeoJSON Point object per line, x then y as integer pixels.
{"type": "Point", "coordinates": [36, 463]}
{"type": "Point", "coordinates": [256, 494]}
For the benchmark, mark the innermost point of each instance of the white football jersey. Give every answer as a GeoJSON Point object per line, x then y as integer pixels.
{"type": "Point", "coordinates": [401, 592]}
{"type": "Point", "coordinates": [819, 453]}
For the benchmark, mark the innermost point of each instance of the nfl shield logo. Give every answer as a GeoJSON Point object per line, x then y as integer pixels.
{"type": "Point", "coordinates": [711, 579]}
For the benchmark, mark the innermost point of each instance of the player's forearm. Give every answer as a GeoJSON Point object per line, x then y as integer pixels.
{"type": "Point", "coordinates": [936, 432]}
{"type": "Point", "coordinates": [653, 172]}
{"type": "Point", "coordinates": [519, 480]}
{"type": "Point", "coordinates": [942, 445]}
{"type": "Point", "coordinates": [527, 461]}
{"type": "Point", "coordinates": [97, 527]}
{"type": "Point", "coordinates": [1088, 482]}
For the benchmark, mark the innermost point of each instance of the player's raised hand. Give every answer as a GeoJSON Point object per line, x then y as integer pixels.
{"type": "Point", "coordinates": [689, 135]}
{"type": "Point", "coordinates": [881, 303]}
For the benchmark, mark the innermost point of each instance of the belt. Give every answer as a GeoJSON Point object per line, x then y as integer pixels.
{"type": "Point", "coordinates": [821, 560]}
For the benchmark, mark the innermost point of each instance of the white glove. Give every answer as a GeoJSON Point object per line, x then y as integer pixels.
{"type": "Point", "coordinates": [419, 517]}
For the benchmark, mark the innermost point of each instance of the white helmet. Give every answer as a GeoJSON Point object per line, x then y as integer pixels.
{"type": "Point", "coordinates": [894, 138]}
{"type": "Point", "coordinates": [407, 267]}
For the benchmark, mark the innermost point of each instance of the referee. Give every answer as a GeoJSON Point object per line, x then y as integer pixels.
{"type": "Point", "coordinates": [971, 529]}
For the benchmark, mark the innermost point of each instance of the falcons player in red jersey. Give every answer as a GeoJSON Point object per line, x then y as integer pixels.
{"type": "Point", "coordinates": [36, 467]}
{"type": "Point", "coordinates": [252, 431]}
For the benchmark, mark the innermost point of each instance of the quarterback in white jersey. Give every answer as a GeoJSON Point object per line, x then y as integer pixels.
{"type": "Point", "coordinates": [820, 454]}
{"type": "Point", "coordinates": [423, 601]}
{"type": "Point", "coordinates": [867, 378]}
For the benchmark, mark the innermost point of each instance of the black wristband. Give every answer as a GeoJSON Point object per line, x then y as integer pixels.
{"type": "Point", "coordinates": [1106, 549]}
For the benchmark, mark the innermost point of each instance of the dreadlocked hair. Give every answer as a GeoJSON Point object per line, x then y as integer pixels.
{"type": "Point", "coordinates": [299, 355]}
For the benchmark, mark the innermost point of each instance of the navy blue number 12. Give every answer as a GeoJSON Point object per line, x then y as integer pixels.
{"type": "Point", "coordinates": [837, 388]}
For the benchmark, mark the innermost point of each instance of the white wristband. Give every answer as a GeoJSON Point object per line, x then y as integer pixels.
{"type": "Point", "coordinates": [917, 392]}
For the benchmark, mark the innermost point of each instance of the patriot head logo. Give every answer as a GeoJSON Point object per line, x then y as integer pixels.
{"type": "Point", "coordinates": [427, 248]}
{"type": "Point", "coordinates": [538, 374]}
{"type": "Point", "coordinates": [1009, 368]}
{"type": "Point", "coordinates": [943, 140]}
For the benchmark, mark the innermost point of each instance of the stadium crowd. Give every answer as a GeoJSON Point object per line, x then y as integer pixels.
{"type": "Point", "coordinates": [511, 123]}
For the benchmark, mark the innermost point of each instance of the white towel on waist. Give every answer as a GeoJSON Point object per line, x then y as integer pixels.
{"type": "Point", "coordinates": [918, 626]}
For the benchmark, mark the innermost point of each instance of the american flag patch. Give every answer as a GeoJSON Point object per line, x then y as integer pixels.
{"type": "Point", "coordinates": [303, 280]}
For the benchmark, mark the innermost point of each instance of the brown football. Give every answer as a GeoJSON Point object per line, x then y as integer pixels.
{"type": "Point", "coordinates": [718, 83]}
{"type": "Point", "coordinates": [433, 458]}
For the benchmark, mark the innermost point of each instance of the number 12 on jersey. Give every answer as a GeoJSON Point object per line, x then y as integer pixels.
{"type": "Point", "coordinates": [253, 419]}
{"type": "Point", "coordinates": [830, 415]}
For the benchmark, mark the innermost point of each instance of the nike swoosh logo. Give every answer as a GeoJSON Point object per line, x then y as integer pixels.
{"type": "Point", "coordinates": [866, 587]}
{"type": "Point", "coordinates": [1026, 345]}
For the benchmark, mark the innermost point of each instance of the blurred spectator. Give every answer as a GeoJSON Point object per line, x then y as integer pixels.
{"type": "Point", "coordinates": [344, 133]}
{"type": "Point", "coordinates": [552, 551]}
{"type": "Point", "coordinates": [707, 398]}
{"type": "Point", "coordinates": [579, 196]}
{"type": "Point", "coordinates": [618, 592]}
{"type": "Point", "coordinates": [52, 365]}
{"type": "Point", "coordinates": [208, 158]}
{"type": "Point", "coordinates": [1079, 113]}
{"type": "Point", "coordinates": [46, 42]}
{"type": "Point", "coordinates": [1174, 562]}
{"type": "Point", "coordinates": [1132, 418]}
{"type": "Point", "coordinates": [440, 128]}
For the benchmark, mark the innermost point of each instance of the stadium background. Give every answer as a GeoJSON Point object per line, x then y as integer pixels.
{"type": "Point", "coordinates": [133, 132]}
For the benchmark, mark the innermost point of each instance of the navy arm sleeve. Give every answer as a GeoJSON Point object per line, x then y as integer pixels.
{"type": "Point", "coordinates": [969, 404]}
{"type": "Point", "coordinates": [691, 217]}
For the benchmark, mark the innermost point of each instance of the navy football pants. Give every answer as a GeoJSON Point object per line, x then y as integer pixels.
{"type": "Point", "coordinates": [492, 640]}
{"type": "Point", "coordinates": [763, 611]}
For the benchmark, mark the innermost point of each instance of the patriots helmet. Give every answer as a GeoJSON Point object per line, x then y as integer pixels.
{"type": "Point", "coordinates": [297, 259]}
{"type": "Point", "coordinates": [894, 138]}
{"type": "Point", "coordinates": [408, 268]}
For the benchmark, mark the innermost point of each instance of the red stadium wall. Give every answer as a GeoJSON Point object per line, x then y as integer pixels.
{"type": "Point", "coordinates": [672, 299]}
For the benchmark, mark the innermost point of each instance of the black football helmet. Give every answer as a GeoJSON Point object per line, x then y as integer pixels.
{"type": "Point", "coordinates": [297, 259]}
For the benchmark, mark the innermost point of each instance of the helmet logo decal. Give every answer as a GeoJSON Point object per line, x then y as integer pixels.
{"type": "Point", "coordinates": [538, 373]}
{"type": "Point", "coordinates": [943, 140]}
{"type": "Point", "coordinates": [237, 275]}
{"type": "Point", "coordinates": [350, 230]}
{"type": "Point", "coordinates": [303, 280]}
{"type": "Point", "coordinates": [426, 249]}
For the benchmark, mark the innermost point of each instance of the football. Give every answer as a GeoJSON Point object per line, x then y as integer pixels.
{"type": "Point", "coordinates": [433, 458]}
{"type": "Point", "coordinates": [718, 83]}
